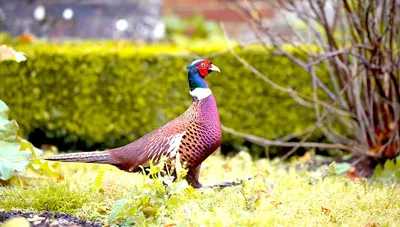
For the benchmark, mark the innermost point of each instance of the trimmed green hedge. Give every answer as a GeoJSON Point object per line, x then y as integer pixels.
{"type": "Point", "coordinates": [109, 95]}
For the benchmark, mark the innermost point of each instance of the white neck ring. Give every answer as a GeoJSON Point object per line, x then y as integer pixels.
{"type": "Point", "coordinates": [201, 93]}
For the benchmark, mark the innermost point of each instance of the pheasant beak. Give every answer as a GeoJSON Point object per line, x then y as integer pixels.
{"type": "Point", "coordinates": [214, 68]}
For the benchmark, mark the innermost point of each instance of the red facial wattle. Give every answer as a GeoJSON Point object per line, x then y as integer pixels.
{"type": "Point", "coordinates": [203, 67]}
{"type": "Point", "coordinates": [203, 72]}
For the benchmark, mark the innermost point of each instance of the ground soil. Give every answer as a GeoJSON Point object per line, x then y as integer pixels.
{"type": "Point", "coordinates": [49, 219]}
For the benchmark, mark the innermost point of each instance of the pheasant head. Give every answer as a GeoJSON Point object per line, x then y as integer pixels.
{"type": "Point", "coordinates": [198, 70]}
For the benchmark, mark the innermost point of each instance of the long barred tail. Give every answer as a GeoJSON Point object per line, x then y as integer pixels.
{"type": "Point", "coordinates": [102, 157]}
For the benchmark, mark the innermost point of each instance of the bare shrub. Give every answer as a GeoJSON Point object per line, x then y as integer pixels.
{"type": "Point", "coordinates": [357, 43]}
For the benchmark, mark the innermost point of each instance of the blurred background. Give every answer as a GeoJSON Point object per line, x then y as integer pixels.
{"type": "Point", "coordinates": [103, 73]}
{"type": "Point", "coordinates": [149, 20]}
{"type": "Point", "coordinates": [122, 33]}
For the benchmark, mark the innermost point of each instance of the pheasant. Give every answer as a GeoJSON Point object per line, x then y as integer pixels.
{"type": "Point", "coordinates": [195, 134]}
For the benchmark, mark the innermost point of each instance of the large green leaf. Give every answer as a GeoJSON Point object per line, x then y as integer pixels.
{"type": "Point", "coordinates": [15, 153]}
{"type": "Point", "coordinates": [116, 209]}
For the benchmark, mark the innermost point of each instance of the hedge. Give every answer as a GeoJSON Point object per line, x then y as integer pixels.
{"type": "Point", "coordinates": [103, 94]}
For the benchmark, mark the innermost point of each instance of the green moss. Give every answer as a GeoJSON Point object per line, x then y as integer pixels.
{"type": "Point", "coordinates": [65, 196]}
{"type": "Point", "coordinates": [279, 196]}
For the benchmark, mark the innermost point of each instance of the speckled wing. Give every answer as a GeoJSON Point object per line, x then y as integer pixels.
{"type": "Point", "coordinates": [164, 141]}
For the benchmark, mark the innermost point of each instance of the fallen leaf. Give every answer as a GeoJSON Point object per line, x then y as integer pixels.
{"type": "Point", "coordinates": [60, 178]}
{"type": "Point", "coordinates": [325, 210]}
{"type": "Point", "coordinates": [276, 204]}
{"type": "Point", "coordinates": [167, 225]}
{"type": "Point", "coordinates": [259, 192]}
{"type": "Point", "coordinates": [352, 174]}
{"type": "Point", "coordinates": [370, 224]}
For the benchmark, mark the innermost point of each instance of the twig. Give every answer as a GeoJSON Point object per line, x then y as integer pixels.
{"type": "Point", "coordinates": [266, 142]}
{"type": "Point", "coordinates": [326, 56]}
{"type": "Point", "coordinates": [225, 184]}
{"type": "Point", "coordinates": [294, 149]}
{"type": "Point", "coordinates": [298, 97]}
{"type": "Point", "coordinates": [364, 77]}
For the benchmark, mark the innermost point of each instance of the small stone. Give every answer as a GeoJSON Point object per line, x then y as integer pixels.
{"type": "Point", "coordinates": [36, 219]}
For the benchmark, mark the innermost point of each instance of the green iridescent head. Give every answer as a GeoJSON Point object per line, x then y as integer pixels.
{"type": "Point", "coordinates": [198, 70]}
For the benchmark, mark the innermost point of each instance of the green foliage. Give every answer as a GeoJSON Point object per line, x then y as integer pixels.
{"type": "Point", "coordinates": [102, 93]}
{"type": "Point", "coordinates": [17, 154]}
{"type": "Point", "coordinates": [5, 38]}
{"type": "Point", "coordinates": [12, 158]}
{"type": "Point", "coordinates": [389, 172]}
{"type": "Point", "coordinates": [192, 28]}
{"type": "Point", "coordinates": [282, 195]}
{"type": "Point", "coordinates": [155, 200]}
{"type": "Point", "coordinates": [65, 196]}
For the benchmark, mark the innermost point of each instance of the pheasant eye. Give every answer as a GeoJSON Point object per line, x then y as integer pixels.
{"type": "Point", "coordinates": [203, 64]}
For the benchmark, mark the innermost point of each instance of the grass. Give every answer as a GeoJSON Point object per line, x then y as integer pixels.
{"type": "Point", "coordinates": [279, 196]}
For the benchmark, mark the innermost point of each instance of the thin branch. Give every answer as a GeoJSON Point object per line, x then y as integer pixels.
{"type": "Point", "coordinates": [225, 184]}
{"type": "Point", "coordinates": [294, 149]}
{"type": "Point", "coordinates": [298, 97]}
{"type": "Point", "coordinates": [326, 56]}
{"type": "Point", "coordinates": [259, 74]}
{"type": "Point", "coordinates": [364, 77]}
{"type": "Point", "coordinates": [265, 142]}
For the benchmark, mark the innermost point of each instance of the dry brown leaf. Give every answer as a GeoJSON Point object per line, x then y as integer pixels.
{"type": "Point", "coordinates": [167, 225]}
{"type": "Point", "coordinates": [276, 204]}
{"type": "Point", "coordinates": [352, 174]}
{"type": "Point", "coordinates": [325, 210]}
{"type": "Point", "coordinates": [370, 224]}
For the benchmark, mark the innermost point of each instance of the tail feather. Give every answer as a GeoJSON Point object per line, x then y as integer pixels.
{"type": "Point", "coordinates": [102, 157]}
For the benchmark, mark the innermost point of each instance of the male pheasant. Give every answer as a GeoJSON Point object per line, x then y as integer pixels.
{"type": "Point", "coordinates": [195, 135]}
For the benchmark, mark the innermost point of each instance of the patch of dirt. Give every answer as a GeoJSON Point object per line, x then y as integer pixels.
{"type": "Point", "coordinates": [49, 219]}
{"type": "Point", "coordinates": [364, 167]}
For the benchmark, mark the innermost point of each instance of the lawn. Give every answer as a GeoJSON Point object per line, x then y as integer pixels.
{"type": "Point", "coordinates": [280, 195]}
